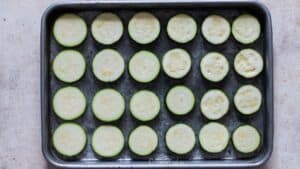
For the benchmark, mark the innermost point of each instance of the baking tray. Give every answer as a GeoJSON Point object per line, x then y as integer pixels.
{"type": "Point", "coordinates": [162, 158]}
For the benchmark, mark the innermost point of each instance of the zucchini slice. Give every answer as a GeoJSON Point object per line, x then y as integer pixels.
{"type": "Point", "coordinates": [247, 99]}
{"type": "Point", "coordinates": [144, 105]}
{"type": "Point", "coordinates": [248, 63]}
{"type": "Point", "coordinates": [214, 104]}
{"type": "Point", "coordinates": [214, 66]}
{"type": "Point", "coordinates": [69, 30]}
{"type": "Point", "coordinates": [108, 65]}
{"type": "Point", "coordinates": [69, 103]}
{"type": "Point", "coordinates": [182, 28]}
{"type": "Point", "coordinates": [143, 140]}
{"type": "Point", "coordinates": [108, 105]}
{"type": "Point", "coordinates": [69, 139]}
{"type": "Point", "coordinates": [246, 29]}
{"type": "Point", "coordinates": [144, 66]}
{"type": "Point", "coordinates": [214, 137]}
{"type": "Point", "coordinates": [69, 66]}
{"type": "Point", "coordinates": [108, 141]}
{"type": "Point", "coordinates": [177, 63]}
{"type": "Point", "coordinates": [180, 100]}
{"type": "Point", "coordinates": [107, 28]}
{"type": "Point", "coordinates": [180, 139]}
{"type": "Point", "coordinates": [215, 29]}
{"type": "Point", "coordinates": [246, 139]}
{"type": "Point", "coordinates": [144, 28]}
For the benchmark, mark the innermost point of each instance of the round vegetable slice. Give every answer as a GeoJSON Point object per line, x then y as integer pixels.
{"type": "Point", "coordinates": [144, 28]}
{"type": "Point", "coordinates": [69, 139]}
{"type": "Point", "coordinates": [144, 105]}
{"type": "Point", "coordinates": [214, 66]}
{"type": "Point", "coordinates": [182, 28]}
{"type": "Point", "coordinates": [108, 65]}
{"type": "Point", "coordinates": [69, 30]}
{"type": "Point", "coordinates": [214, 104]}
{"type": "Point", "coordinates": [180, 139]}
{"type": "Point", "coordinates": [248, 63]}
{"type": "Point", "coordinates": [214, 137]}
{"type": "Point", "coordinates": [108, 141]}
{"type": "Point", "coordinates": [247, 99]}
{"type": "Point", "coordinates": [108, 105]}
{"type": "Point", "coordinates": [246, 139]}
{"type": "Point", "coordinates": [177, 63]}
{"type": "Point", "coordinates": [180, 100]}
{"type": "Point", "coordinates": [107, 28]}
{"type": "Point", "coordinates": [215, 29]}
{"type": "Point", "coordinates": [144, 66]}
{"type": "Point", "coordinates": [143, 140]}
{"type": "Point", "coordinates": [69, 103]}
{"type": "Point", "coordinates": [246, 29]}
{"type": "Point", "coordinates": [69, 66]}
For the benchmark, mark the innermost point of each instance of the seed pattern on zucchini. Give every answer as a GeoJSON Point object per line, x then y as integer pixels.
{"type": "Point", "coordinates": [69, 66]}
{"type": "Point", "coordinates": [182, 28]}
{"type": "Point", "coordinates": [246, 139]}
{"type": "Point", "coordinates": [215, 29]}
{"type": "Point", "coordinates": [108, 141]}
{"type": "Point", "coordinates": [69, 103]}
{"type": "Point", "coordinates": [247, 99]}
{"type": "Point", "coordinates": [69, 30]}
{"type": "Point", "coordinates": [107, 28]}
{"type": "Point", "coordinates": [69, 139]}
{"type": "Point", "coordinates": [248, 63]}
{"type": "Point", "coordinates": [143, 141]}
{"type": "Point", "coordinates": [246, 29]}
{"type": "Point", "coordinates": [144, 28]}
{"type": "Point", "coordinates": [214, 66]}
{"type": "Point", "coordinates": [108, 105]}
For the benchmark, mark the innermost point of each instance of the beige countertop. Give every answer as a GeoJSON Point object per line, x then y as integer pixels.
{"type": "Point", "coordinates": [20, 139]}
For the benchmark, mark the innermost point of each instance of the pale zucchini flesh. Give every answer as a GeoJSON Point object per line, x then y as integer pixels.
{"type": "Point", "coordinates": [180, 139]}
{"type": "Point", "coordinates": [144, 105]}
{"type": "Point", "coordinates": [182, 28]}
{"type": "Point", "coordinates": [144, 28]}
{"type": "Point", "coordinates": [246, 139]}
{"type": "Point", "coordinates": [144, 66]}
{"type": "Point", "coordinates": [69, 66]}
{"type": "Point", "coordinates": [108, 141]}
{"type": "Point", "coordinates": [177, 63]}
{"type": "Point", "coordinates": [214, 137]}
{"type": "Point", "coordinates": [69, 139]}
{"type": "Point", "coordinates": [108, 105]}
{"type": "Point", "coordinates": [107, 28]}
{"type": "Point", "coordinates": [143, 141]}
{"type": "Point", "coordinates": [69, 30]}
{"type": "Point", "coordinates": [246, 29]}
{"type": "Point", "coordinates": [214, 104]}
{"type": "Point", "coordinates": [180, 100]}
{"type": "Point", "coordinates": [247, 99]}
{"type": "Point", "coordinates": [215, 29]}
{"type": "Point", "coordinates": [69, 103]}
{"type": "Point", "coordinates": [108, 65]}
{"type": "Point", "coordinates": [248, 63]}
{"type": "Point", "coordinates": [214, 66]}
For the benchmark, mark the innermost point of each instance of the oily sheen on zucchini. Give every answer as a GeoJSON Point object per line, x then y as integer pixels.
{"type": "Point", "coordinates": [246, 139]}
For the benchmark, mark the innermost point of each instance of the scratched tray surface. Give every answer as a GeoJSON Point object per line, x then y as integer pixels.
{"type": "Point", "coordinates": [127, 86]}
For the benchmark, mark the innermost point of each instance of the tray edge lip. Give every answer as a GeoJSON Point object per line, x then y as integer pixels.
{"type": "Point", "coordinates": [270, 89]}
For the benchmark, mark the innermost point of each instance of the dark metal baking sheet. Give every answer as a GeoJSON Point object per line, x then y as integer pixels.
{"type": "Point", "coordinates": [263, 120]}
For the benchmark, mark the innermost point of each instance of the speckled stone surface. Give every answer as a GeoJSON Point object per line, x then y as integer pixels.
{"type": "Point", "coordinates": [20, 81]}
